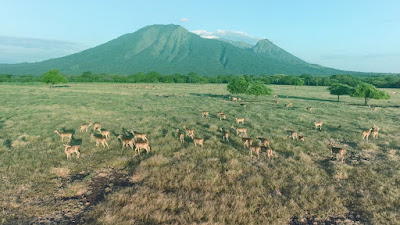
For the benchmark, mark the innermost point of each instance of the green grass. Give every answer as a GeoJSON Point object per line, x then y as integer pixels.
{"type": "Point", "coordinates": [179, 183]}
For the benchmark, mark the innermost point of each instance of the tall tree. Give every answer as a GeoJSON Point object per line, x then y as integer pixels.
{"type": "Point", "coordinates": [340, 89]}
{"type": "Point", "coordinates": [368, 91]}
{"type": "Point", "coordinates": [238, 85]}
{"type": "Point", "coordinates": [53, 77]}
{"type": "Point", "coordinates": [258, 89]}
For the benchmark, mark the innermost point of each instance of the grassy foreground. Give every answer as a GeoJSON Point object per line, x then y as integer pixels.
{"type": "Point", "coordinates": [180, 183]}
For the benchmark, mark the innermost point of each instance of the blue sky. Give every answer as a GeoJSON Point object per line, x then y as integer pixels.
{"type": "Point", "coordinates": [352, 35]}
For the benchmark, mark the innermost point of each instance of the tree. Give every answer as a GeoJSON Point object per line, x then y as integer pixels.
{"type": "Point", "coordinates": [238, 85]}
{"type": "Point", "coordinates": [340, 89]}
{"type": "Point", "coordinates": [297, 82]}
{"type": "Point", "coordinates": [258, 89]}
{"type": "Point", "coordinates": [368, 91]}
{"type": "Point", "coordinates": [53, 77]}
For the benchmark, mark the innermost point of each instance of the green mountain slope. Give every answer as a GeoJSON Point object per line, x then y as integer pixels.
{"type": "Point", "coordinates": [172, 49]}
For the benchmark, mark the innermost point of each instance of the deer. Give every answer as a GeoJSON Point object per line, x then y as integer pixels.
{"type": "Point", "coordinates": [301, 138]}
{"type": "Point", "coordinates": [375, 131]}
{"type": "Point", "coordinates": [247, 142]}
{"type": "Point", "coordinates": [318, 125]}
{"type": "Point", "coordinates": [126, 141]}
{"type": "Point", "coordinates": [239, 99]}
{"type": "Point", "coordinates": [222, 116]}
{"type": "Point", "coordinates": [84, 127]}
{"type": "Point", "coordinates": [234, 99]}
{"type": "Point", "coordinates": [142, 145]}
{"type": "Point", "coordinates": [338, 151]}
{"type": "Point", "coordinates": [137, 135]}
{"type": "Point", "coordinates": [204, 114]}
{"type": "Point", "coordinates": [366, 134]}
{"type": "Point", "coordinates": [263, 141]}
{"type": "Point", "coordinates": [270, 153]}
{"type": "Point", "coordinates": [292, 134]}
{"type": "Point", "coordinates": [198, 141]}
{"type": "Point", "coordinates": [104, 133]}
{"type": "Point", "coordinates": [225, 134]}
{"type": "Point", "coordinates": [64, 134]}
{"type": "Point", "coordinates": [275, 101]}
{"type": "Point", "coordinates": [68, 149]}
{"type": "Point", "coordinates": [256, 149]}
{"type": "Point", "coordinates": [240, 130]}
{"type": "Point", "coordinates": [189, 132]}
{"type": "Point", "coordinates": [102, 140]}
{"type": "Point", "coordinates": [96, 126]}
{"type": "Point", "coordinates": [309, 109]}
{"type": "Point", "coordinates": [289, 105]}
{"type": "Point", "coordinates": [275, 96]}
{"type": "Point", "coordinates": [181, 136]}
{"type": "Point", "coordinates": [239, 120]}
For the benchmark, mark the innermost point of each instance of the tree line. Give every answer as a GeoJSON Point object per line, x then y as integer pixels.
{"type": "Point", "coordinates": [381, 81]}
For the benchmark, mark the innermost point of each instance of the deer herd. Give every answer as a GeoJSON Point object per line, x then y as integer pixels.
{"type": "Point", "coordinates": [131, 138]}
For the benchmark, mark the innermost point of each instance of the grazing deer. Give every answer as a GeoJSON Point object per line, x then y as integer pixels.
{"type": "Point", "coordinates": [137, 135]}
{"type": "Point", "coordinates": [292, 134]}
{"type": "Point", "coordinates": [96, 126]}
{"type": "Point", "coordinates": [204, 114]}
{"type": "Point", "coordinates": [239, 120]}
{"type": "Point", "coordinates": [102, 140]}
{"type": "Point", "coordinates": [289, 105]}
{"type": "Point", "coordinates": [318, 125]}
{"type": "Point", "coordinates": [197, 141]}
{"type": "Point", "coordinates": [375, 131]}
{"type": "Point", "coordinates": [222, 116]}
{"type": "Point", "coordinates": [234, 99]}
{"type": "Point", "coordinates": [256, 149]}
{"type": "Point", "coordinates": [219, 113]}
{"type": "Point", "coordinates": [240, 130]}
{"type": "Point", "coordinates": [84, 127]}
{"type": "Point", "coordinates": [68, 149]}
{"type": "Point", "coordinates": [247, 142]}
{"type": "Point", "coordinates": [275, 101]}
{"type": "Point", "coordinates": [142, 145]}
{"type": "Point", "coordinates": [64, 134]}
{"type": "Point", "coordinates": [126, 141]}
{"type": "Point", "coordinates": [309, 109]}
{"type": "Point", "coordinates": [366, 134]}
{"type": "Point", "coordinates": [104, 133]}
{"type": "Point", "coordinates": [338, 151]}
{"type": "Point", "coordinates": [263, 141]}
{"type": "Point", "coordinates": [189, 132]}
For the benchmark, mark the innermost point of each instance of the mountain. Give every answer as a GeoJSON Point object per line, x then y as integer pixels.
{"type": "Point", "coordinates": [172, 49]}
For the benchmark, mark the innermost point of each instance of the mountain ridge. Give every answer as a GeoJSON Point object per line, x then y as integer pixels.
{"type": "Point", "coordinates": [172, 49]}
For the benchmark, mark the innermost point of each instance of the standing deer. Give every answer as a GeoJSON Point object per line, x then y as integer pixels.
{"type": "Point", "coordinates": [309, 109]}
{"type": "Point", "coordinates": [263, 141]}
{"type": "Point", "coordinates": [96, 126]}
{"type": "Point", "coordinates": [318, 125]}
{"type": "Point", "coordinates": [68, 149]}
{"type": "Point", "coordinates": [142, 145]}
{"type": "Point", "coordinates": [375, 131]}
{"type": "Point", "coordinates": [204, 114]}
{"type": "Point", "coordinates": [239, 120]}
{"type": "Point", "coordinates": [104, 133]}
{"type": "Point", "coordinates": [189, 132]}
{"type": "Point", "coordinates": [338, 151]}
{"type": "Point", "coordinates": [84, 127]}
{"type": "Point", "coordinates": [64, 134]}
{"type": "Point", "coordinates": [102, 140]}
{"type": "Point", "coordinates": [126, 141]}
{"type": "Point", "coordinates": [198, 141]}
{"type": "Point", "coordinates": [247, 142]}
{"type": "Point", "coordinates": [366, 134]}
{"type": "Point", "coordinates": [289, 105]}
{"type": "Point", "coordinates": [292, 134]}
{"type": "Point", "coordinates": [256, 149]}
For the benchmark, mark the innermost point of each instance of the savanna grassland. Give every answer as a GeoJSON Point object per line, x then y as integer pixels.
{"type": "Point", "coordinates": [179, 183]}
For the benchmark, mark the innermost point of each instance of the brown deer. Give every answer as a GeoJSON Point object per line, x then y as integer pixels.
{"type": "Point", "coordinates": [234, 99]}
{"type": "Point", "coordinates": [256, 149]}
{"type": "Point", "coordinates": [375, 131]}
{"type": "Point", "coordinates": [263, 141]}
{"type": "Point", "coordinates": [198, 141]}
{"type": "Point", "coordinates": [270, 153]}
{"type": "Point", "coordinates": [309, 109]}
{"type": "Point", "coordinates": [301, 138]}
{"type": "Point", "coordinates": [96, 126]}
{"type": "Point", "coordinates": [222, 116]}
{"type": "Point", "coordinates": [102, 140]}
{"type": "Point", "coordinates": [181, 136]}
{"type": "Point", "coordinates": [104, 133]}
{"type": "Point", "coordinates": [126, 141]}
{"type": "Point", "coordinates": [204, 114]}
{"type": "Point", "coordinates": [239, 120]}
{"type": "Point", "coordinates": [64, 134]}
{"type": "Point", "coordinates": [189, 132]}
{"type": "Point", "coordinates": [247, 142]}
{"type": "Point", "coordinates": [292, 134]}
{"type": "Point", "coordinates": [225, 135]}
{"type": "Point", "coordinates": [275, 101]}
{"type": "Point", "coordinates": [84, 127]}
{"type": "Point", "coordinates": [318, 125]}
{"type": "Point", "coordinates": [338, 151]}
{"type": "Point", "coordinates": [289, 105]}
{"type": "Point", "coordinates": [240, 130]}
{"type": "Point", "coordinates": [142, 145]}
{"type": "Point", "coordinates": [137, 135]}
{"type": "Point", "coordinates": [68, 149]}
{"type": "Point", "coordinates": [366, 134]}
{"type": "Point", "coordinates": [275, 96]}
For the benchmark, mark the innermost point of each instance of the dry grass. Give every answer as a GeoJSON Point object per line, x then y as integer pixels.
{"type": "Point", "coordinates": [178, 183]}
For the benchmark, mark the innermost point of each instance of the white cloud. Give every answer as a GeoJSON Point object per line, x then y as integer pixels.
{"type": "Point", "coordinates": [185, 20]}
{"type": "Point", "coordinates": [19, 49]}
{"type": "Point", "coordinates": [228, 34]}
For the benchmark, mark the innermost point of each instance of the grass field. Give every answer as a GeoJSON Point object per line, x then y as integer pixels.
{"type": "Point", "coordinates": [179, 183]}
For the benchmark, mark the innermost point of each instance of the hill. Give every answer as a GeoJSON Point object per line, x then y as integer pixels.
{"type": "Point", "coordinates": [172, 49]}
